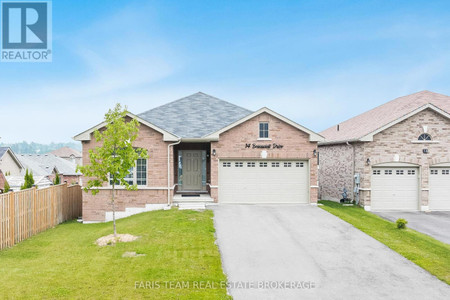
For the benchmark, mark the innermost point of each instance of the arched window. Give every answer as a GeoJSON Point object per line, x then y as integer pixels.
{"type": "Point", "coordinates": [424, 137]}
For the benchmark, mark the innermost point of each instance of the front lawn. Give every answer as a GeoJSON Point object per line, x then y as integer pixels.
{"type": "Point", "coordinates": [181, 260]}
{"type": "Point", "coordinates": [425, 251]}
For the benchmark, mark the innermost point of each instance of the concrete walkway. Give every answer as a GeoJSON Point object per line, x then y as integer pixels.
{"type": "Point", "coordinates": [435, 223]}
{"type": "Point", "coordinates": [303, 252]}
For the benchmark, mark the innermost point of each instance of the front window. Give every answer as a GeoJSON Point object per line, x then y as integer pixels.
{"type": "Point", "coordinates": [424, 137]}
{"type": "Point", "coordinates": [263, 130]}
{"type": "Point", "coordinates": [137, 175]}
{"type": "Point", "coordinates": [141, 172]}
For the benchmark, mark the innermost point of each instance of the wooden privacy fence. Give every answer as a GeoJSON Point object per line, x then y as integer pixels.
{"type": "Point", "coordinates": [28, 212]}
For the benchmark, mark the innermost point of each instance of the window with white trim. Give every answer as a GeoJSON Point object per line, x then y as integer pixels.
{"type": "Point", "coordinates": [238, 164]}
{"type": "Point", "coordinates": [445, 172]}
{"type": "Point", "coordinates": [411, 172]}
{"type": "Point", "coordinates": [387, 172]}
{"type": "Point", "coordinates": [263, 165]}
{"type": "Point", "coordinates": [399, 172]}
{"type": "Point", "coordinates": [264, 130]}
{"type": "Point", "coordinates": [226, 165]}
{"type": "Point", "coordinates": [137, 175]}
{"type": "Point", "coordinates": [434, 172]}
{"type": "Point", "coordinates": [251, 164]}
{"type": "Point", "coordinates": [141, 172]}
{"type": "Point", "coordinates": [299, 165]}
{"type": "Point", "coordinates": [376, 172]}
{"type": "Point", "coordinates": [275, 164]}
{"type": "Point", "coordinates": [287, 164]}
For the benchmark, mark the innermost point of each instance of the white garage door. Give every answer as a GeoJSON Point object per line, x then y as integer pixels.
{"type": "Point", "coordinates": [439, 189]}
{"type": "Point", "coordinates": [263, 181]}
{"type": "Point", "coordinates": [395, 189]}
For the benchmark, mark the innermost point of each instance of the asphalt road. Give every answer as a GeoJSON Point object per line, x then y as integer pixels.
{"type": "Point", "coordinates": [303, 252]}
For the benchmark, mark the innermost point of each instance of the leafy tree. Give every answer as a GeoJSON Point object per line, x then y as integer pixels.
{"type": "Point", "coordinates": [57, 179]}
{"type": "Point", "coordinates": [29, 180]}
{"type": "Point", "coordinates": [116, 155]}
{"type": "Point", "coordinates": [6, 187]}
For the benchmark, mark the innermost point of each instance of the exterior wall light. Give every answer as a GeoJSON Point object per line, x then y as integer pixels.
{"type": "Point", "coordinates": [214, 152]}
{"type": "Point", "coordinates": [315, 152]}
{"type": "Point", "coordinates": [368, 161]}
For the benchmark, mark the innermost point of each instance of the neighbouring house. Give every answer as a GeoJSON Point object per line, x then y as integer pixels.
{"type": "Point", "coordinates": [203, 149]}
{"type": "Point", "coordinates": [15, 182]}
{"type": "Point", "coordinates": [68, 154]}
{"type": "Point", "coordinates": [393, 157]}
{"type": "Point", "coordinates": [9, 163]}
{"type": "Point", "coordinates": [49, 165]}
{"type": "Point", "coordinates": [2, 181]}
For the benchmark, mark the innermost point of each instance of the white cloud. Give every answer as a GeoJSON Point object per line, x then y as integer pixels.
{"type": "Point", "coordinates": [116, 55]}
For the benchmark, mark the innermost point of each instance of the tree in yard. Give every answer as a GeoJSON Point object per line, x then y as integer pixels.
{"type": "Point", "coordinates": [6, 187]}
{"type": "Point", "coordinates": [57, 179]}
{"type": "Point", "coordinates": [113, 160]}
{"type": "Point", "coordinates": [29, 180]}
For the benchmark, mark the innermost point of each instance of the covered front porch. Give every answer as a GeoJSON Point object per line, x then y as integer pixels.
{"type": "Point", "coordinates": [192, 175]}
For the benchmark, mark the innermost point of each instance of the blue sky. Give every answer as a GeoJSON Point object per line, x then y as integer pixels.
{"type": "Point", "coordinates": [315, 62]}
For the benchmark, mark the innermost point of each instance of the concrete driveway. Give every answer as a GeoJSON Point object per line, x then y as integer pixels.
{"type": "Point", "coordinates": [303, 252]}
{"type": "Point", "coordinates": [435, 224]}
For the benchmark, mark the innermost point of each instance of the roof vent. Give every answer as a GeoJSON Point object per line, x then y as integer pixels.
{"type": "Point", "coordinates": [337, 127]}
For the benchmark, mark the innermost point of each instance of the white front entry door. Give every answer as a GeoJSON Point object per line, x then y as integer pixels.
{"type": "Point", "coordinates": [262, 181]}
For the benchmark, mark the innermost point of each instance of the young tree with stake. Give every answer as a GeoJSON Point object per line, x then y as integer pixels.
{"type": "Point", "coordinates": [115, 157]}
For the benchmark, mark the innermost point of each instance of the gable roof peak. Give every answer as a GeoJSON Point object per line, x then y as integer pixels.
{"type": "Point", "coordinates": [360, 126]}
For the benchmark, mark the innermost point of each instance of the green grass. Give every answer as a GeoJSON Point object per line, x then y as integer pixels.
{"type": "Point", "coordinates": [425, 251]}
{"type": "Point", "coordinates": [65, 262]}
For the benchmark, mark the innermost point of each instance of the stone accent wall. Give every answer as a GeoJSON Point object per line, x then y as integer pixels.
{"type": "Point", "coordinates": [336, 171]}
{"type": "Point", "coordinates": [399, 143]}
{"type": "Point", "coordinates": [94, 207]}
{"type": "Point", "coordinates": [296, 145]}
{"type": "Point", "coordinates": [396, 144]}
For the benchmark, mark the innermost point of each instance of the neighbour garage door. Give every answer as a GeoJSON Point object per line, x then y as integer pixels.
{"type": "Point", "coordinates": [395, 189]}
{"type": "Point", "coordinates": [263, 181]}
{"type": "Point", "coordinates": [439, 189]}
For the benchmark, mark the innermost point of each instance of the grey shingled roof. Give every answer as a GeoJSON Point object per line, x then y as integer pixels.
{"type": "Point", "coordinates": [3, 151]}
{"type": "Point", "coordinates": [195, 116]}
{"type": "Point", "coordinates": [43, 164]}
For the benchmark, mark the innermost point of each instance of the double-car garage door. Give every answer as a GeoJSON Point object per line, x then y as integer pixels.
{"type": "Point", "coordinates": [263, 181]}
{"type": "Point", "coordinates": [397, 188]}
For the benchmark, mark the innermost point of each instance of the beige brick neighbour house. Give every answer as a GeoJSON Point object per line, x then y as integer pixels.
{"type": "Point", "coordinates": [393, 157]}
{"type": "Point", "coordinates": [204, 150]}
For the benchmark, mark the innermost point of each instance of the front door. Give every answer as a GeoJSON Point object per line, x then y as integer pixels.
{"type": "Point", "coordinates": [192, 170]}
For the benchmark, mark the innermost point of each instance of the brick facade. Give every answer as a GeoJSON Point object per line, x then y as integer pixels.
{"type": "Point", "coordinates": [94, 207]}
{"type": "Point", "coordinates": [336, 171]}
{"type": "Point", "coordinates": [231, 145]}
{"type": "Point", "coordinates": [395, 144]}
{"type": "Point", "coordinates": [296, 145]}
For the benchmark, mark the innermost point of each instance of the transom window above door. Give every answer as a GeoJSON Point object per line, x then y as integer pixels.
{"type": "Point", "coordinates": [264, 130]}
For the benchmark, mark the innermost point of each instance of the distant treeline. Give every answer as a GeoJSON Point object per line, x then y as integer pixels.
{"type": "Point", "coordinates": [36, 148]}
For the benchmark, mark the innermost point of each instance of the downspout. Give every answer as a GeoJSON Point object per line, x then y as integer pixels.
{"type": "Point", "coordinates": [168, 170]}
{"type": "Point", "coordinates": [353, 167]}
